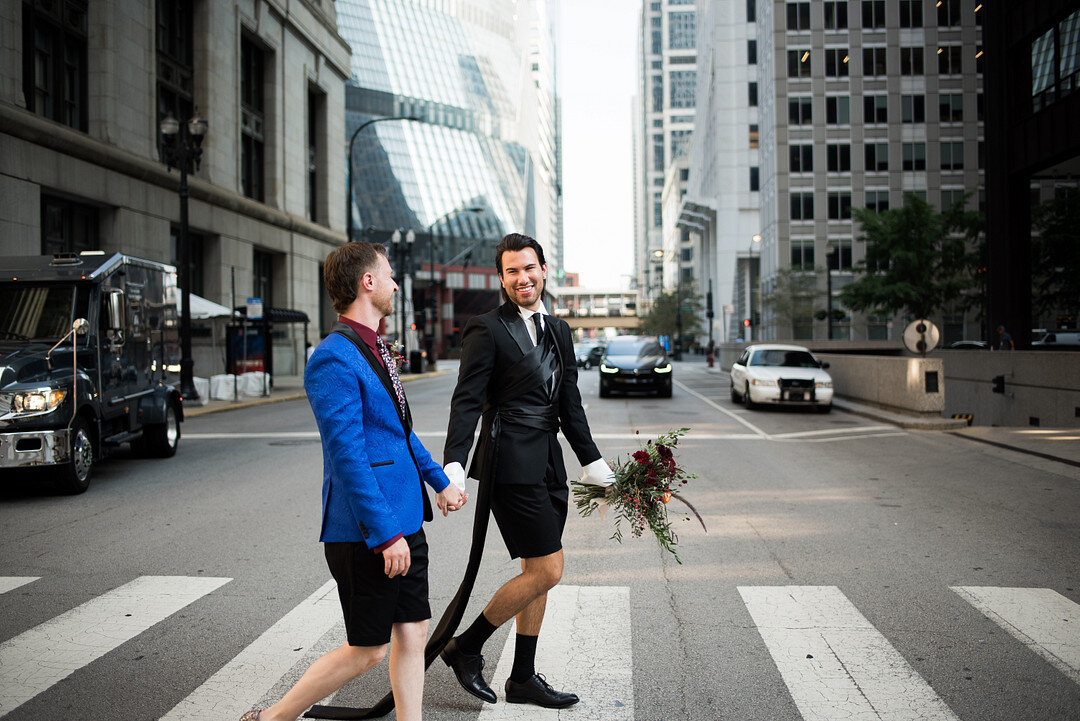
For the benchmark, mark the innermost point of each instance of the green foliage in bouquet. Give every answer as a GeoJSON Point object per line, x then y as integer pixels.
{"type": "Point", "coordinates": [644, 484]}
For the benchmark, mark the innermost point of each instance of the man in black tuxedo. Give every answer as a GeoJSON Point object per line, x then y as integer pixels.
{"type": "Point", "coordinates": [519, 373]}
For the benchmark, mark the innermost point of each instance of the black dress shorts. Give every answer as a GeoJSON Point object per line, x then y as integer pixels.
{"type": "Point", "coordinates": [531, 516]}
{"type": "Point", "coordinates": [371, 602]}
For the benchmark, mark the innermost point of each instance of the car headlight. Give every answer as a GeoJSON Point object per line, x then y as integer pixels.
{"type": "Point", "coordinates": [41, 400]}
{"type": "Point", "coordinates": [662, 369]}
{"type": "Point", "coordinates": [763, 382]}
{"type": "Point", "coordinates": [823, 384]}
{"type": "Point", "coordinates": [605, 368]}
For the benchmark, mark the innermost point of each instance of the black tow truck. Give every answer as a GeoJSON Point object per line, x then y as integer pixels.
{"type": "Point", "coordinates": [88, 349]}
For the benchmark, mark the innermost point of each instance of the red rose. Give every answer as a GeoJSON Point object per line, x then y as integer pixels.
{"type": "Point", "coordinates": [664, 451]}
{"type": "Point", "coordinates": [641, 457]}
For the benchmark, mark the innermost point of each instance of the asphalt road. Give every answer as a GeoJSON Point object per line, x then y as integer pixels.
{"type": "Point", "coordinates": [850, 570]}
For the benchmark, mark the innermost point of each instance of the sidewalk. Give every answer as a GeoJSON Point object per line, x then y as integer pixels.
{"type": "Point", "coordinates": [290, 388]}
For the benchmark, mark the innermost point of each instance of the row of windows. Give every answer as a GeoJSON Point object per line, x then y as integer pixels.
{"type": "Point", "coordinates": [838, 157]}
{"type": "Point", "coordinates": [876, 109]}
{"type": "Point", "coordinates": [875, 64]}
{"type": "Point", "coordinates": [838, 202]}
{"type": "Point", "coordinates": [912, 14]}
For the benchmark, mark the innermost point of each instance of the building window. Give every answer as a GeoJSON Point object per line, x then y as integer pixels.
{"type": "Point", "coordinates": [802, 206]}
{"type": "Point", "coordinates": [800, 110]}
{"type": "Point", "coordinates": [55, 60]}
{"type": "Point", "coordinates": [877, 200]}
{"type": "Point", "coordinates": [952, 156]}
{"type": "Point", "coordinates": [262, 277]}
{"type": "Point", "coordinates": [657, 38]}
{"type": "Point", "coordinates": [798, 16]}
{"type": "Point", "coordinates": [875, 109]}
{"type": "Point", "coordinates": [753, 136]}
{"type": "Point", "coordinates": [836, 15]}
{"type": "Point", "coordinates": [840, 205]}
{"type": "Point", "coordinates": [658, 153]}
{"type": "Point", "coordinates": [913, 108]}
{"type": "Point", "coordinates": [980, 151]}
{"type": "Point", "coordinates": [67, 226]}
{"type": "Point", "coordinates": [911, 61]}
{"type": "Point", "coordinates": [802, 254]}
{"type": "Point", "coordinates": [681, 30]}
{"type": "Point", "coordinates": [911, 13]}
{"type": "Point", "coordinates": [948, 13]}
{"type": "Point", "coordinates": [683, 84]}
{"type": "Point", "coordinates": [658, 93]}
{"type": "Point", "coordinates": [680, 140]}
{"type": "Point", "coordinates": [949, 198]}
{"type": "Point", "coordinates": [838, 158]}
{"type": "Point", "coordinates": [751, 11]}
{"type": "Point", "coordinates": [836, 62]}
{"type": "Point", "coordinates": [316, 137]}
{"type": "Point", "coordinates": [951, 108]}
{"type": "Point", "coordinates": [950, 60]}
{"type": "Point", "coordinates": [873, 62]}
{"type": "Point", "coordinates": [755, 179]}
{"type": "Point", "coordinates": [752, 94]}
{"type": "Point", "coordinates": [914, 155]}
{"type": "Point", "coordinates": [841, 258]}
{"type": "Point", "coordinates": [658, 214]}
{"type": "Point", "coordinates": [802, 158]}
{"type": "Point", "coordinates": [253, 120]}
{"type": "Point", "coordinates": [751, 52]}
{"type": "Point", "coordinates": [798, 63]}
{"type": "Point", "coordinates": [873, 14]}
{"type": "Point", "coordinates": [877, 157]}
{"type": "Point", "coordinates": [838, 110]}
{"type": "Point", "coordinates": [197, 243]}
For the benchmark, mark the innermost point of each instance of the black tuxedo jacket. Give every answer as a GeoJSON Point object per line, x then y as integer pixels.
{"type": "Point", "coordinates": [490, 345]}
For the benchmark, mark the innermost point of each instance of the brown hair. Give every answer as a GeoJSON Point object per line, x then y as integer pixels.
{"type": "Point", "coordinates": [515, 242]}
{"type": "Point", "coordinates": [345, 266]}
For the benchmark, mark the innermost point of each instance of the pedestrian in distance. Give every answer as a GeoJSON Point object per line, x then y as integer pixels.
{"type": "Point", "coordinates": [374, 502]}
{"type": "Point", "coordinates": [518, 373]}
{"type": "Point", "coordinates": [1004, 340]}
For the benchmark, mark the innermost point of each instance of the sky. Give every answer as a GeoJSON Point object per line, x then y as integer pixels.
{"type": "Point", "coordinates": [597, 75]}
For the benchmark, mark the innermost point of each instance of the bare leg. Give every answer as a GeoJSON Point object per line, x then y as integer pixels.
{"type": "Point", "coordinates": [332, 671]}
{"type": "Point", "coordinates": [518, 595]}
{"type": "Point", "coordinates": [407, 669]}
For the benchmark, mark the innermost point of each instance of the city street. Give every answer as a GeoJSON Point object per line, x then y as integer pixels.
{"type": "Point", "coordinates": [851, 570]}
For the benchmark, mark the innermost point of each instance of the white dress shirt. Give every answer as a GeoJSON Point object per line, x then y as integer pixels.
{"type": "Point", "coordinates": [527, 317]}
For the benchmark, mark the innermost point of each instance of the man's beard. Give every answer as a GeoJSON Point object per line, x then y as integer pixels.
{"type": "Point", "coordinates": [386, 306]}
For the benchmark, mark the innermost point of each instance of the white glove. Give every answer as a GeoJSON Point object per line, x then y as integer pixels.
{"type": "Point", "coordinates": [598, 473]}
{"type": "Point", "coordinates": [456, 474]}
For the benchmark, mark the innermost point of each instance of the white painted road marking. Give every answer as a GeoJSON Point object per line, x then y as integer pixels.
{"type": "Point", "coordinates": [835, 663]}
{"type": "Point", "coordinates": [835, 434]}
{"type": "Point", "coordinates": [584, 647]}
{"type": "Point", "coordinates": [243, 681]}
{"type": "Point", "coordinates": [46, 654]}
{"type": "Point", "coordinates": [1040, 618]}
{"type": "Point", "coordinates": [10, 583]}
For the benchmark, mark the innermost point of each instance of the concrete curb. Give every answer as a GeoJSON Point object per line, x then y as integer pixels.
{"type": "Point", "coordinates": [902, 420]}
{"type": "Point", "coordinates": [202, 411]}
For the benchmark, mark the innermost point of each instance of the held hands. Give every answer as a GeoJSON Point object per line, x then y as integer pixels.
{"type": "Point", "coordinates": [396, 558]}
{"type": "Point", "coordinates": [598, 473]}
{"type": "Point", "coordinates": [451, 498]}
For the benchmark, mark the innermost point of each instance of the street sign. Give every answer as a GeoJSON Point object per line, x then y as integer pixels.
{"type": "Point", "coordinates": [254, 308]}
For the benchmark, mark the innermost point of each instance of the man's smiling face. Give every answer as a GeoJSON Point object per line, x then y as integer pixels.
{"type": "Point", "coordinates": [522, 277]}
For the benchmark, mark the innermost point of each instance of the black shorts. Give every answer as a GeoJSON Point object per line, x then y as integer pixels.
{"type": "Point", "coordinates": [531, 516]}
{"type": "Point", "coordinates": [372, 602]}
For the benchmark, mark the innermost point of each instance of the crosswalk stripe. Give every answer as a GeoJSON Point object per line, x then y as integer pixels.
{"type": "Point", "coordinates": [1040, 618]}
{"type": "Point", "coordinates": [46, 654]}
{"type": "Point", "coordinates": [834, 662]}
{"type": "Point", "coordinates": [10, 583]}
{"type": "Point", "coordinates": [585, 648]}
{"type": "Point", "coordinates": [242, 682]}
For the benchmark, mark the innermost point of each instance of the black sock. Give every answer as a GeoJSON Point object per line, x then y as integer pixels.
{"type": "Point", "coordinates": [473, 638]}
{"type": "Point", "coordinates": [524, 659]}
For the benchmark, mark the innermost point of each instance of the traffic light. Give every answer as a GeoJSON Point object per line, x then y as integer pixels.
{"type": "Point", "coordinates": [746, 322]}
{"type": "Point", "coordinates": [999, 384]}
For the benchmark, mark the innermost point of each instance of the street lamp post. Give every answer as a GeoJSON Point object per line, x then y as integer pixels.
{"type": "Point", "coordinates": [349, 169]}
{"type": "Point", "coordinates": [828, 290]}
{"type": "Point", "coordinates": [182, 147]}
{"type": "Point", "coordinates": [402, 244]}
{"type": "Point", "coordinates": [431, 267]}
{"type": "Point", "coordinates": [754, 242]}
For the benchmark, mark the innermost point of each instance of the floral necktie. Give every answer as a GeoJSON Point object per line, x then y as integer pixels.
{"type": "Point", "coordinates": [391, 368]}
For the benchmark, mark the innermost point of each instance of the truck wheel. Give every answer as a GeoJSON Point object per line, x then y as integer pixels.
{"type": "Point", "coordinates": [74, 475]}
{"type": "Point", "coordinates": [161, 439]}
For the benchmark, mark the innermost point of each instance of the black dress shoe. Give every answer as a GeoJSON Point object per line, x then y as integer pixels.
{"type": "Point", "coordinates": [538, 691]}
{"type": "Point", "coordinates": [467, 668]}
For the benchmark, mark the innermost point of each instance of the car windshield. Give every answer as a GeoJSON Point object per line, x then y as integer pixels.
{"type": "Point", "coordinates": [633, 347]}
{"type": "Point", "coordinates": [784, 358]}
{"type": "Point", "coordinates": [35, 312]}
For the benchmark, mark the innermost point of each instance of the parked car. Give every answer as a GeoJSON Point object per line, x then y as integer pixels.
{"type": "Point", "coordinates": [635, 363]}
{"type": "Point", "coordinates": [1059, 340]}
{"type": "Point", "coordinates": [588, 353]}
{"type": "Point", "coordinates": [771, 374]}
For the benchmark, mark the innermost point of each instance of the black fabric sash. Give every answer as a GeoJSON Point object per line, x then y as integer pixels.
{"type": "Point", "coordinates": [535, 367]}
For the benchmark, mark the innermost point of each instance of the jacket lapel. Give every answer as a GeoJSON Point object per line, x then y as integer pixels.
{"type": "Point", "coordinates": [380, 371]}
{"type": "Point", "coordinates": [515, 326]}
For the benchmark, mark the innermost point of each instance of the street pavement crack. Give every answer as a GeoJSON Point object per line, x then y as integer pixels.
{"type": "Point", "coordinates": [772, 554]}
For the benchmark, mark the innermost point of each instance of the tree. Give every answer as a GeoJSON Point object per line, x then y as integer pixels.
{"type": "Point", "coordinates": [1055, 255]}
{"type": "Point", "coordinates": [660, 320]}
{"type": "Point", "coordinates": [917, 259]}
{"type": "Point", "coordinates": [792, 299]}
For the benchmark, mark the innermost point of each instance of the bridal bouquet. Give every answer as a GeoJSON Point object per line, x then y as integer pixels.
{"type": "Point", "coordinates": [644, 484]}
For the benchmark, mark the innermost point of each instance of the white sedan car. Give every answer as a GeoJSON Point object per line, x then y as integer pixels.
{"type": "Point", "coordinates": [781, 375]}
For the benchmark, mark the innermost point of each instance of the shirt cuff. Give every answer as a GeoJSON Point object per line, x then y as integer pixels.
{"type": "Point", "coordinates": [386, 544]}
